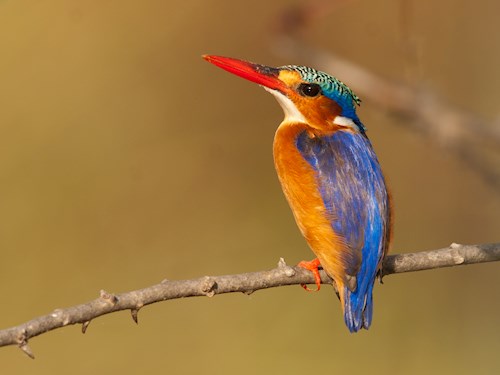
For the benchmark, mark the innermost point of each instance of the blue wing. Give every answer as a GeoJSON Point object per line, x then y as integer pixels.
{"type": "Point", "coordinates": [353, 190]}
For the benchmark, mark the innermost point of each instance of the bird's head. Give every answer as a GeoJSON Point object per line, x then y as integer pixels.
{"type": "Point", "coordinates": [306, 95]}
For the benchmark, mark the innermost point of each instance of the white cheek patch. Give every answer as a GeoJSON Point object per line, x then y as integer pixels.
{"type": "Point", "coordinates": [345, 122]}
{"type": "Point", "coordinates": [292, 114]}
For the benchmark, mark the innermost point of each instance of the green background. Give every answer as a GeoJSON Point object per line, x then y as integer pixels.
{"type": "Point", "coordinates": [126, 159]}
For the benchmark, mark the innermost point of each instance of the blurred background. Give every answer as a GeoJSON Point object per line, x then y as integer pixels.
{"type": "Point", "coordinates": [126, 159]}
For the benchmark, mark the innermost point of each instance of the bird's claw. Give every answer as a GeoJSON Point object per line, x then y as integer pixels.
{"type": "Point", "coordinates": [312, 266]}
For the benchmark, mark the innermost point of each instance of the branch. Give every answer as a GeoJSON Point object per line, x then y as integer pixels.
{"type": "Point", "coordinates": [247, 283]}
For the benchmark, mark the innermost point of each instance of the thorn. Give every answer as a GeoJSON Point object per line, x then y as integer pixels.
{"type": "Point", "coordinates": [108, 297]}
{"type": "Point", "coordinates": [85, 326]}
{"type": "Point", "coordinates": [208, 286]}
{"type": "Point", "coordinates": [26, 349]}
{"type": "Point", "coordinates": [134, 313]}
{"type": "Point", "coordinates": [289, 271]}
{"type": "Point", "coordinates": [248, 292]}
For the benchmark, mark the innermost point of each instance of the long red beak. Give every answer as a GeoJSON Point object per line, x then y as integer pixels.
{"type": "Point", "coordinates": [261, 74]}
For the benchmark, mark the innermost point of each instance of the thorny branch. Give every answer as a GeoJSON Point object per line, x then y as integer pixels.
{"type": "Point", "coordinates": [247, 283]}
{"type": "Point", "coordinates": [451, 127]}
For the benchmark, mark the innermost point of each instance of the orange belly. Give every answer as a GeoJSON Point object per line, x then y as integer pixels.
{"type": "Point", "coordinates": [299, 184]}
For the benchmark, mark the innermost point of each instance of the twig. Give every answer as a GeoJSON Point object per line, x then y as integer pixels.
{"type": "Point", "coordinates": [247, 283]}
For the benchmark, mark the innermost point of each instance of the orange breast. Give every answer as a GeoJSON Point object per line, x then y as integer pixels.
{"type": "Point", "coordinates": [299, 184]}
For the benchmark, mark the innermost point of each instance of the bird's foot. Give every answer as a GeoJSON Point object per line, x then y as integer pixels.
{"type": "Point", "coordinates": [312, 266]}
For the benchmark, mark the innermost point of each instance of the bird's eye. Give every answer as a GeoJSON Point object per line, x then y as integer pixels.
{"type": "Point", "coordinates": [309, 89]}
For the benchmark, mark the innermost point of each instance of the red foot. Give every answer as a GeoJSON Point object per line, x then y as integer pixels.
{"type": "Point", "coordinates": [313, 267]}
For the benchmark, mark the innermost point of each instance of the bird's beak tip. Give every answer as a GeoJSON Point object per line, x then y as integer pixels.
{"type": "Point", "coordinates": [206, 57]}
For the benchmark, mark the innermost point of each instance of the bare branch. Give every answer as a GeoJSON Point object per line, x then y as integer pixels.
{"type": "Point", "coordinates": [454, 255]}
{"type": "Point", "coordinates": [246, 283]}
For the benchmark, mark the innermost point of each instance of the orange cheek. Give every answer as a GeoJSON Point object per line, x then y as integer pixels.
{"type": "Point", "coordinates": [319, 112]}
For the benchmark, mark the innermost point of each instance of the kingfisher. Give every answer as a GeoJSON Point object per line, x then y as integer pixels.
{"type": "Point", "coordinates": [330, 177]}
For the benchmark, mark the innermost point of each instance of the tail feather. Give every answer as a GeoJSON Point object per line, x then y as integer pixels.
{"type": "Point", "coordinates": [358, 308]}
{"type": "Point", "coordinates": [368, 312]}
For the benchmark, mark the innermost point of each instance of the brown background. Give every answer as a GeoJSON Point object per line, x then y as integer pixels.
{"type": "Point", "coordinates": [125, 159]}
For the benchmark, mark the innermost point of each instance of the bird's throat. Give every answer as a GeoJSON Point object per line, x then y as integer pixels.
{"type": "Point", "coordinates": [292, 113]}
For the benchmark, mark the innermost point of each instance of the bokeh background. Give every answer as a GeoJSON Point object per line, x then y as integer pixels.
{"type": "Point", "coordinates": [125, 159]}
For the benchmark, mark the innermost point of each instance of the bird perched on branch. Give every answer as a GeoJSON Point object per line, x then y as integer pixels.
{"type": "Point", "coordinates": [331, 178]}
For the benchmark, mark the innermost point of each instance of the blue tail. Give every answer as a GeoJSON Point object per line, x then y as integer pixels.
{"type": "Point", "coordinates": [358, 304]}
{"type": "Point", "coordinates": [358, 308]}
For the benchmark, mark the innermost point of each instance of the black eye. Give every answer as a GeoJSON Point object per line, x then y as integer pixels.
{"type": "Point", "coordinates": [309, 89]}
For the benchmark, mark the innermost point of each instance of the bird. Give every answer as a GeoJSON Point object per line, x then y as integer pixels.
{"type": "Point", "coordinates": [331, 178]}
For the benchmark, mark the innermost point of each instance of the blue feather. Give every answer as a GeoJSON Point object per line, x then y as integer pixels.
{"type": "Point", "coordinates": [353, 190]}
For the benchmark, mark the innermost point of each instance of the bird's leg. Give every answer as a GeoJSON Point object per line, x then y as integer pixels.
{"type": "Point", "coordinates": [312, 266]}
